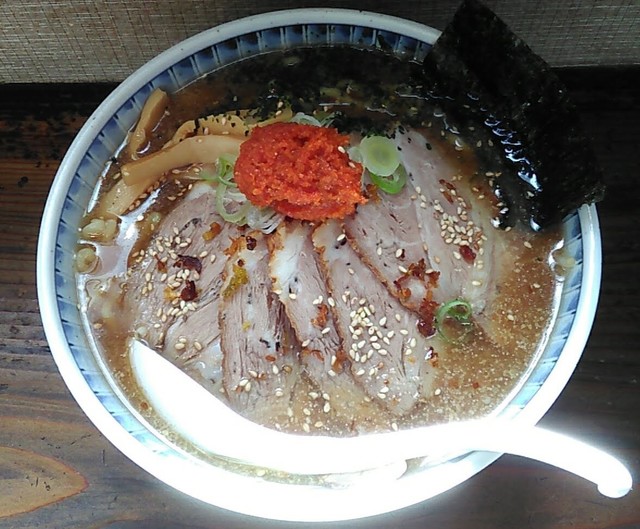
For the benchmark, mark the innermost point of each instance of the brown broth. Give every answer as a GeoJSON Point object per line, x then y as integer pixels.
{"type": "Point", "coordinates": [474, 377]}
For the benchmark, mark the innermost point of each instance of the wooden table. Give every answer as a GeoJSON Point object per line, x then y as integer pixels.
{"type": "Point", "coordinates": [57, 470]}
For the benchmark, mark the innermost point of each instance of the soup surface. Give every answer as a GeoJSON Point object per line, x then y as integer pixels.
{"type": "Point", "coordinates": [309, 236]}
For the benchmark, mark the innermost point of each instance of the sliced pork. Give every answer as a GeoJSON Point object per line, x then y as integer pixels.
{"type": "Point", "coordinates": [299, 284]}
{"type": "Point", "coordinates": [433, 242]}
{"type": "Point", "coordinates": [259, 351]}
{"type": "Point", "coordinates": [454, 219]}
{"type": "Point", "coordinates": [172, 286]}
{"type": "Point", "coordinates": [390, 358]}
{"type": "Point", "coordinates": [386, 234]}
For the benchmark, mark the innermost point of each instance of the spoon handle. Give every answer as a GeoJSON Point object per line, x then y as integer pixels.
{"type": "Point", "coordinates": [610, 475]}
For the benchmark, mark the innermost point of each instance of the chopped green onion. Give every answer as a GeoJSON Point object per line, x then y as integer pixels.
{"type": "Point", "coordinates": [392, 184]}
{"type": "Point", "coordinates": [354, 154]}
{"type": "Point", "coordinates": [454, 320]}
{"type": "Point", "coordinates": [208, 176]}
{"type": "Point", "coordinates": [323, 120]}
{"type": "Point", "coordinates": [236, 217]}
{"type": "Point", "coordinates": [264, 219]}
{"type": "Point", "coordinates": [305, 119]}
{"type": "Point", "coordinates": [379, 155]}
{"type": "Point", "coordinates": [226, 164]}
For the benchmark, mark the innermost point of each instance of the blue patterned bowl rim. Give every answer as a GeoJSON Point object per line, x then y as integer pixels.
{"type": "Point", "coordinates": [69, 195]}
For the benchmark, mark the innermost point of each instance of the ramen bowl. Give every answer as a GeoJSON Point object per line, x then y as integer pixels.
{"type": "Point", "coordinates": [209, 479]}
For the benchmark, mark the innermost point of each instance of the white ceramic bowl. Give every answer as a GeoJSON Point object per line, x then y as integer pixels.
{"type": "Point", "coordinates": [78, 173]}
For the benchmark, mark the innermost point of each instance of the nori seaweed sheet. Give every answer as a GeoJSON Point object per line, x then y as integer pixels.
{"type": "Point", "coordinates": [551, 167]}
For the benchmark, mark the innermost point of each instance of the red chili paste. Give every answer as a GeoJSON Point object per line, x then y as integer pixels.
{"type": "Point", "coordinates": [299, 170]}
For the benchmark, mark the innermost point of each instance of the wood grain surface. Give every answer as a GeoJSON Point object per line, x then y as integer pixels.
{"type": "Point", "coordinates": [57, 470]}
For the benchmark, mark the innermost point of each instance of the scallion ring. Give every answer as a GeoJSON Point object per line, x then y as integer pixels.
{"type": "Point", "coordinates": [458, 311]}
{"type": "Point", "coordinates": [392, 184]}
{"type": "Point", "coordinates": [379, 155]}
{"type": "Point", "coordinates": [226, 164]}
{"type": "Point", "coordinates": [236, 217]}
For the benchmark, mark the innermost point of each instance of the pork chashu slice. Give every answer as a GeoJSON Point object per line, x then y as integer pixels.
{"type": "Point", "coordinates": [173, 287]}
{"type": "Point", "coordinates": [454, 206]}
{"type": "Point", "coordinates": [435, 237]}
{"type": "Point", "coordinates": [390, 358]}
{"type": "Point", "coordinates": [300, 285]}
{"type": "Point", "coordinates": [385, 233]}
{"type": "Point", "coordinates": [260, 361]}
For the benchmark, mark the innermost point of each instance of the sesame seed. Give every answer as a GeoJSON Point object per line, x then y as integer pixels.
{"type": "Point", "coordinates": [341, 237]}
{"type": "Point", "coordinates": [326, 330]}
{"type": "Point", "coordinates": [305, 343]}
{"type": "Point", "coordinates": [402, 269]}
{"type": "Point", "coordinates": [179, 346]}
{"type": "Point", "coordinates": [527, 244]}
{"type": "Point", "coordinates": [476, 283]}
{"type": "Point", "coordinates": [292, 295]}
{"type": "Point", "coordinates": [379, 250]}
{"type": "Point", "coordinates": [331, 301]}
